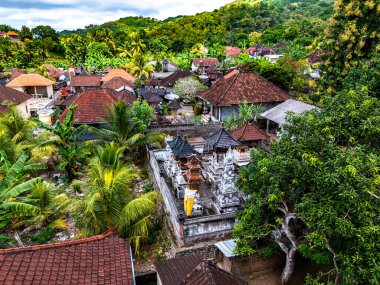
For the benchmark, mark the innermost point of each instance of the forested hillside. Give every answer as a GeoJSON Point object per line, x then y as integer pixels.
{"type": "Point", "coordinates": [240, 23]}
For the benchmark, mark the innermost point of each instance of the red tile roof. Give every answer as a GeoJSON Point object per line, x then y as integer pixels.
{"type": "Point", "coordinates": [208, 274]}
{"type": "Point", "coordinates": [237, 87]}
{"type": "Point", "coordinates": [212, 62]}
{"type": "Point", "coordinates": [92, 105]}
{"type": "Point", "coordinates": [117, 83]}
{"type": "Point", "coordinates": [102, 259]}
{"type": "Point", "coordinates": [127, 97]}
{"type": "Point", "coordinates": [232, 51]}
{"type": "Point", "coordinates": [172, 79]}
{"type": "Point", "coordinates": [260, 50]}
{"type": "Point", "coordinates": [85, 81]}
{"type": "Point", "coordinates": [249, 132]}
{"type": "Point", "coordinates": [12, 96]}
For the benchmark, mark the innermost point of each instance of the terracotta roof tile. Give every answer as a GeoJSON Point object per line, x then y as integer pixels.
{"type": "Point", "coordinates": [102, 259]}
{"type": "Point", "coordinates": [260, 50]}
{"type": "Point", "coordinates": [25, 80]}
{"type": "Point", "coordinates": [86, 81]}
{"type": "Point", "coordinates": [127, 96]}
{"type": "Point", "coordinates": [118, 72]}
{"type": "Point", "coordinates": [232, 51]}
{"type": "Point", "coordinates": [171, 80]}
{"type": "Point", "coordinates": [212, 62]}
{"type": "Point", "coordinates": [117, 83]}
{"type": "Point", "coordinates": [12, 96]}
{"type": "Point", "coordinates": [235, 88]}
{"type": "Point", "coordinates": [249, 132]}
{"type": "Point", "coordinates": [92, 105]}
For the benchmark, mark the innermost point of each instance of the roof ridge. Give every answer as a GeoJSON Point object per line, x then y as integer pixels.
{"type": "Point", "coordinates": [59, 244]}
{"type": "Point", "coordinates": [234, 77]}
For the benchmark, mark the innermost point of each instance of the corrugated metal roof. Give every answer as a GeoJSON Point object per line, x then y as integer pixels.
{"type": "Point", "coordinates": [278, 114]}
{"type": "Point", "coordinates": [227, 247]}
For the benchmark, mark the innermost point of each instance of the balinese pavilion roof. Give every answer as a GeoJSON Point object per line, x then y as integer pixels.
{"type": "Point", "coordinates": [175, 142]}
{"type": "Point", "coordinates": [248, 133]}
{"type": "Point", "coordinates": [152, 97]}
{"type": "Point", "coordinates": [238, 87]}
{"type": "Point", "coordinates": [181, 148]}
{"type": "Point", "coordinates": [171, 80]}
{"type": "Point", "coordinates": [119, 82]}
{"type": "Point", "coordinates": [25, 80]}
{"type": "Point", "coordinates": [174, 105]}
{"type": "Point", "coordinates": [221, 139]}
{"type": "Point", "coordinates": [118, 72]}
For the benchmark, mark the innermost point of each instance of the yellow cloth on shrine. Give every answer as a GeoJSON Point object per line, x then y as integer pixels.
{"type": "Point", "coordinates": [189, 201]}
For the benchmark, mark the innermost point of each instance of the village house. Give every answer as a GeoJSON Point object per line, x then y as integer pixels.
{"type": "Point", "coordinates": [314, 60]}
{"type": "Point", "coordinates": [193, 269]}
{"type": "Point", "coordinates": [258, 50]}
{"type": "Point", "coordinates": [102, 259]}
{"type": "Point", "coordinates": [13, 36]}
{"type": "Point", "coordinates": [119, 83]}
{"type": "Point", "coordinates": [235, 88]}
{"type": "Point", "coordinates": [118, 73]}
{"type": "Point", "coordinates": [84, 82]}
{"type": "Point", "coordinates": [203, 65]}
{"type": "Point", "coordinates": [9, 96]}
{"type": "Point", "coordinates": [276, 117]}
{"type": "Point", "coordinates": [168, 68]}
{"type": "Point", "coordinates": [93, 104]}
{"type": "Point", "coordinates": [33, 84]}
{"type": "Point", "coordinates": [232, 51]}
{"type": "Point", "coordinates": [169, 82]}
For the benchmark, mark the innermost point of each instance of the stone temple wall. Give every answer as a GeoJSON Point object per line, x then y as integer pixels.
{"type": "Point", "coordinates": [192, 230]}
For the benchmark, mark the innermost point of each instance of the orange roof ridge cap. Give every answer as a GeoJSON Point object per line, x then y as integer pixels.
{"type": "Point", "coordinates": [59, 244]}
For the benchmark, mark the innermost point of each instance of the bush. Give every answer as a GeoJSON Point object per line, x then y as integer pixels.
{"type": "Point", "coordinates": [148, 187]}
{"type": "Point", "coordinates": [43, 236]}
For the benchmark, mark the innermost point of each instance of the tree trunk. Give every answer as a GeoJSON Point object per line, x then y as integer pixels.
{"type": "Point", "coordinates": [289, 266]}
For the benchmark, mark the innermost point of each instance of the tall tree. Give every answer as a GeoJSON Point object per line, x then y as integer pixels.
{"type": "Point", "coordinates": [64, 138]}
{"type": "Point", "coordinates": [109, 199]}
{"type": "Point", "coordinates": [352, 37]}
{"type": "Point", "coordinates": [317, 193]}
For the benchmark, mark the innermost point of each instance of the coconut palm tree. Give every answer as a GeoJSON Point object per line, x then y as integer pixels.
{"type": "Point", "coordinates": [42, 207]}
{"type": "Point", "coordinates": [16, 127]}
{"type": "Point", "coordinates": [64, 138]}
{"type": "Point", "coordinates": [109, 200]}
{"type": "Point", "coordinates": [127, 126]}
{"type": "Point", "coordinates": [137, 66]}
{"type": "Point", "coordinates": [14, 181]}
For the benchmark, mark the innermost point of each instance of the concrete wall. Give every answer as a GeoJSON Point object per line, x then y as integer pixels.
{"type": "Point", "coordinates": [185, 129]}
{"type": "Point", "coordinates": [24, 111]}
{"type": "Point", "coordinates": [49, 90]}
{"type": "Point", "coordinates": [227, 111]}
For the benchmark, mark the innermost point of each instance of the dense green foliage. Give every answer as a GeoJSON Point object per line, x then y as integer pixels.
{"type": "Point", "coordinates": [240, 23]}
{"type": "Point", "coordinates": [353, 39]}
{"type": "Point", "coordinates": [323, 175]}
